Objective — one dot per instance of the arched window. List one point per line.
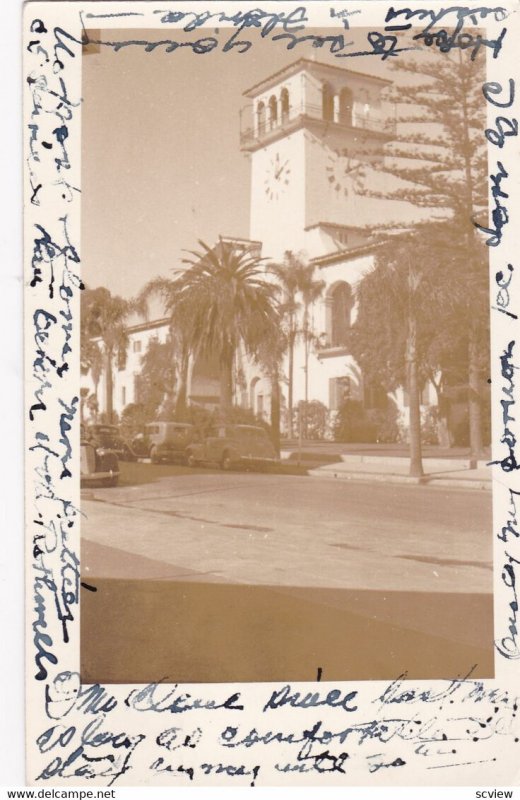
(341, 302)
(252, 393)
(273, 112)
(260, 117)
(284, 102)
(346, 107)
(327, 102)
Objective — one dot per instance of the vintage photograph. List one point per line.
(285, 377)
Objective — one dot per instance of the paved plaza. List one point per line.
(243, 576)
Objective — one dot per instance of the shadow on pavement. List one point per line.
(141, 631)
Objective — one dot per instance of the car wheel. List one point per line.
(190, 460)
(154, 458)
(226, 463)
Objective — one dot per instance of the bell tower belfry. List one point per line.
(308, 128)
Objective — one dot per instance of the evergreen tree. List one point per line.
(437, 162)
(401, 303)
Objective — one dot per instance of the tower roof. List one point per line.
(307, 63)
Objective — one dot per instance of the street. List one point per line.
(198, 575)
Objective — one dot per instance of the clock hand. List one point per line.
(350, 169)
(280, 170)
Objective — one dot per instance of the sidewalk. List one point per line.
(389, 463)
(398, 449)
(454, 473)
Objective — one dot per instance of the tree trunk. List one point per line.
(275, 410)
(226, 383)
(109, 387)
(290, 388)
(474, 401)
(306, 375)
(414, 395)
(181, 402)
(181, 405)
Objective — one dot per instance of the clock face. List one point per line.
(341, 173)
(277, 176)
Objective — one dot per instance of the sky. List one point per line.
(161, 162)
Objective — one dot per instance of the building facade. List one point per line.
(309, 131)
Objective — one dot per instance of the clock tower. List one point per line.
(309, 129)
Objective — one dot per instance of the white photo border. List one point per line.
(108, 736)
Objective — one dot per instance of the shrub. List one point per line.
(352, 424)
(384, 423)
(315, 419)
(429, 425)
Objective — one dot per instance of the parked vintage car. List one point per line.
(165, 441)
(109, 437)
(233, 445)
(97, 465)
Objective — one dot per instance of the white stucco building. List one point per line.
(308, 130)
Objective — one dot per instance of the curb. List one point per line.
(380, 477)
(436, 463)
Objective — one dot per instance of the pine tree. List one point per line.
(437, 162)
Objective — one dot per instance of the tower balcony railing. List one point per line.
(254, 134)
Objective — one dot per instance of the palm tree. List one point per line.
(299, 293)
(91, 357)
(224, 298)
(104, 316)
(286, 275)
(310, 291)
(96, 365)
(269, 356)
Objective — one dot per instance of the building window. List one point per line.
(341, 236)
(121, 359)
(252, 392)
(260, 117)
(123, 396)
(340, 390)
(284, 102)
(341, 303)
(346, 107)
(273, 112)
(137, 346)
(327, 102)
